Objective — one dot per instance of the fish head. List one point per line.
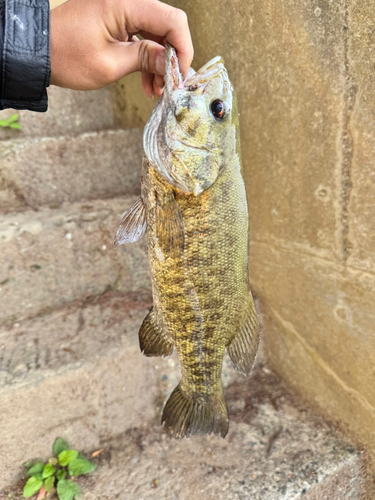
(192, 130)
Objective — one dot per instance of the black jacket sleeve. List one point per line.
(24, 54)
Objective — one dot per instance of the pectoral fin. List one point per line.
(133, 224)
(152, 341)
(169, 227)
(243, 348)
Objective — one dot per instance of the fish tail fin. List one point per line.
(185, 415)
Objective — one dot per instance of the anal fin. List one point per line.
(152, 341)
(133, 224)
(244, 346)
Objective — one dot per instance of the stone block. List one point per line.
(70, 112)
(51, 258)
(84, 404)
(318, 323)
(73, 334)
(132, 107)
(39, 172)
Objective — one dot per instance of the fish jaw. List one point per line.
(182, 140)
(173, 77)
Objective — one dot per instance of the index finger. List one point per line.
(163, 21)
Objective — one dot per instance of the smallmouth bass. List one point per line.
(193, 205)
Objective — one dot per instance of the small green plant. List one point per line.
(56, 474)
(11, 122)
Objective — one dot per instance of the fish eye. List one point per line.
(219, 109)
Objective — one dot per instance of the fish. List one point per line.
(193, 208)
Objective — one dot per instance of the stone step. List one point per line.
(97, 398)
(78, 368)
(50, 171)
(276, 448)
(51, 258)
(70, 112)
(70, 335)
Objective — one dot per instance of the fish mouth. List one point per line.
(194, 81)
(157, 142)
(173, 77)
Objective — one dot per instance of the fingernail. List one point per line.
(160, 64)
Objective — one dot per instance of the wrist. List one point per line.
(78, 46)
(56, 48)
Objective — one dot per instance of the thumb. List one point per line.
(145, 56)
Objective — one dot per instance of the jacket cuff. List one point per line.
(26, 55)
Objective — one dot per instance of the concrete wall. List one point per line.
(303, 70)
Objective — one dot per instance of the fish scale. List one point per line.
(193, 203)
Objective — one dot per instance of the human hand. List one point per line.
(94, 42)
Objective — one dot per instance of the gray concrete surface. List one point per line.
(79, 331)
(276, 449)
(53, 257)
(49, 171)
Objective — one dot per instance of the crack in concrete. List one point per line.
(337, 265)
(135, 300)
(347, 145)
(294, 248)
(22, 142)
(325, 367)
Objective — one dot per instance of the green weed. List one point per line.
(11, 122)
(56, 474)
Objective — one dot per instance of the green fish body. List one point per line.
(193, 204)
